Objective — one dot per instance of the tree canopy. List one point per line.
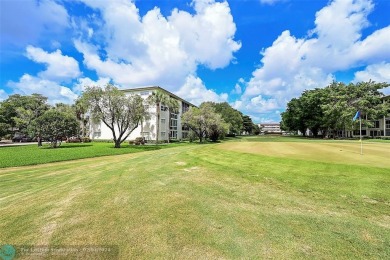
(332, 108)
(119, 112)
(55, 124)
(230, 115)
(204, 122)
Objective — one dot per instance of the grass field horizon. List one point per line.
(240, 199)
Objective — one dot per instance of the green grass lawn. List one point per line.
(31, 154)
(203, 201)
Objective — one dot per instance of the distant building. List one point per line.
(270, 128)
(170, 122)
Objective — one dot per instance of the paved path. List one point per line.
(4, 144)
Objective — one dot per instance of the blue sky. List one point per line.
(254, 54)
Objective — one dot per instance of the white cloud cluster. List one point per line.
(271, 2)
(158, 50)
(56, 93)
(379, 72)
(3, 95)
(60, 69)
(292, 64)
(23, 22)
(196, 92)
(87, 82)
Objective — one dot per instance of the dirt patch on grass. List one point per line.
(181, 163)
(53, 217)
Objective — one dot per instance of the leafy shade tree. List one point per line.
(81, 110)
(248, 125)
(292, 118)
(205, 122)
(230, 115)
(3, 129)
(218, 128)
(56, 124)
(332, 108)
(161, 99)
(256, 129)
(18, 112)
(120, 113)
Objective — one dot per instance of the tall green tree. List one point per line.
(55, 124)
(292, 118)
(81, 110)
(18, 112)
(205, 122)
(247, 125)
(332, 108)
(230, 115)
(120, 113)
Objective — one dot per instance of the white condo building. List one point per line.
(170, 122)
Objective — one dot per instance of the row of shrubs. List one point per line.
(78, 140)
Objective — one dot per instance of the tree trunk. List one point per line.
(158, 122)
(169, 124)
(117, 144)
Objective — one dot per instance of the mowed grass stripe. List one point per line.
(202, 202)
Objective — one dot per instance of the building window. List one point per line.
(162, 134)
(173, 123)
(388, 124)
(357, 132)
(164, 108)
(375, 124)
(374, 133)
(184, 107)
(173, 134)
(144, 93)
(163, 121)
(173, 115)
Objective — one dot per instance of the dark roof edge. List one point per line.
(155, 88)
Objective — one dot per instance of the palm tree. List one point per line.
(159, 98)
(173, 106)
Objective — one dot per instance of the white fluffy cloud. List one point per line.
(271, 2)
(158, 50)
(379, 72)
(56, 93)
(59, 67)
(196, 92)
(87, 82)
(293, 64)
(23, 22)
(3, 94)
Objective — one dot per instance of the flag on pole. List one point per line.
(356, 116)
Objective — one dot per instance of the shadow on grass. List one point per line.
(138, 147)
(64, 146)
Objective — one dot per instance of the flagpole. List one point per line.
(361, 140)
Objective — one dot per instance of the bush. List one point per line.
(73, 139)
(86, 139)
(139, 140)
